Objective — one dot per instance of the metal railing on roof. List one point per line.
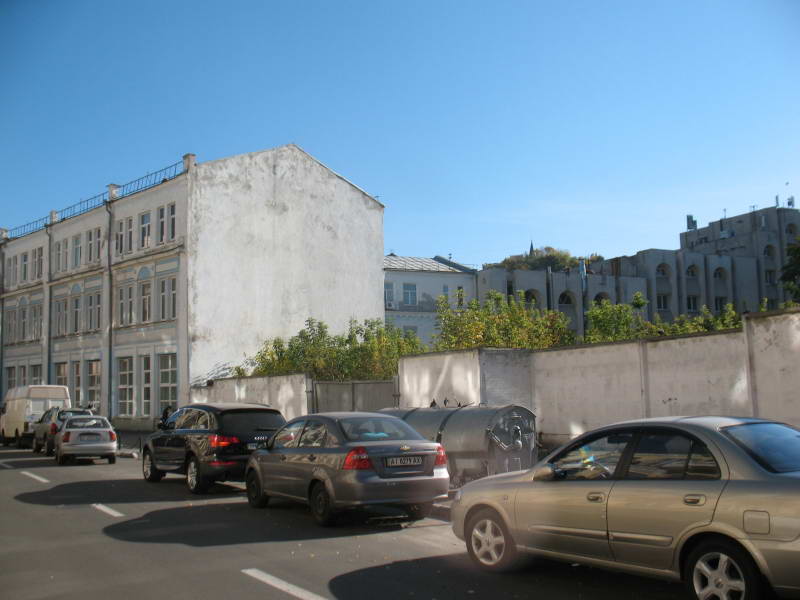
(137, 185)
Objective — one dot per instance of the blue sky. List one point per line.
(586, 125)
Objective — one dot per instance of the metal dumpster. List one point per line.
(479, 440)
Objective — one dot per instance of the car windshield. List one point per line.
(88, 423)
(774, 446)
(63, 415)
(376, 429)
(243, 422)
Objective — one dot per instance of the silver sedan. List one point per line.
(336, 461)
(712, 501)
(86, 436)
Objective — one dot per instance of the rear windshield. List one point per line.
(88, 423)
(63, 415)
(376, 429)
(243, 422)
(775, 446)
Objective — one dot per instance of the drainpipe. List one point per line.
(3, 241)
(112, 195)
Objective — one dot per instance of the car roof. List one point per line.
(712, 422)
(349, 415)
(224, 406)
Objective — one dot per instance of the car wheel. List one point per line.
(722, 570)
(255, 494)
(419, 511)
(111, 459)
(489, 543)
(149, 470)
(321, 505)
(194, 480)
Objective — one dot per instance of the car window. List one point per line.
(87, 423)
(775, 446)
(63, 415)
(313, 435)
(594, 459)
(173, 418)
(660, 455)
(377, 429)
(187, 420)
(247, 422)
(202, 420)
(702, 464)
(288, 436)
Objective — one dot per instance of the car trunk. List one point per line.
(250, 427)
(409, 458)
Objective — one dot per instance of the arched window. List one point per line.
(719, 274)
(662, 270)
(598, 299)
(791, 230)
(769, 251)
(532, 298)
(565, 298)
(692, 271)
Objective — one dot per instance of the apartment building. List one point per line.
(133, 295)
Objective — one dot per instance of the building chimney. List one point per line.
(188, 161)
(113, 190)
(53, 216)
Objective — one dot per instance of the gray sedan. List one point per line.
(336, 461)
(85, 437)
(714, 501)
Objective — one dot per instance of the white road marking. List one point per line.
(36, 477)
(107, 510)
(280, 584)
(5, 466)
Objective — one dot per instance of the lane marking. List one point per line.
(107, 510)
(36, 477)
(5, 466)
(280, 584)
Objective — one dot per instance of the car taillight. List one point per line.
(66, 437)
(53, 429)
(357, 459)
(112, 436)
(222, 441)
(441, 457)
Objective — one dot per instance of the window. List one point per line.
(662, 271)
(410, 294)
(144, 302)
(57, 257)
(720, 302)
(61, 317)
(662, 301)
(593, 459)
(125, 386)
(660, 456)
(173, 295)
(691, 303)
(313, 435)
(23, 324)
(65, 255)
(97, 244)
(11, 326)
(129, 235)
(76, 315)
(769, 252)
(144, 230)
(162, 224)
(769, 277)
(119, 238)
(98, 310)
(162, 299)
(76, 251)
(691, 272)
(76, 382)
(14, 271)
(91, 324)
(61, 373)
(90, 246)
(23, 275)
(775, 446)
(22, 373)
(171, 213)
(8, 272)
(289, 435)
(719, 274)
(388, 293)
(168, 298)
(38, 262)
(36, 375)
(168, 381)
(93, 389)
(146, 386)
(11, 377)
(565, 298)
(121, 306)
(36, 321)
(131, 306)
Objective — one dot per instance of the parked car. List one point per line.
(86, 437)
(208, 442)
(712, 501)
(336, 461)
(23, 406)
(46, 428)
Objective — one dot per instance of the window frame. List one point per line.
(144, 229)
(624, 458)
(125, 406)
(667, 430)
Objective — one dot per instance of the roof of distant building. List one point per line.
(392, 262)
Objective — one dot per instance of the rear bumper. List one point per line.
(225, 471)
(363, 488)
(101, 449)
(782, 559)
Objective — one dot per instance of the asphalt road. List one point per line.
(98, 531)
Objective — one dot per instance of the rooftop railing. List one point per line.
(132, 187)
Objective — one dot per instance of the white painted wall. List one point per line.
(287, 393)
(294, 239)
(451, 375)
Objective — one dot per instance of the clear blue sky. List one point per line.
(586, 125)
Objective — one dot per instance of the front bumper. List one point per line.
(99, 449)
(364, 488)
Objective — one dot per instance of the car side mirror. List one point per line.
(546, 472)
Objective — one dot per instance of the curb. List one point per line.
(128, 453)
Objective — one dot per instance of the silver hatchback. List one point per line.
(712, 501)
(86, 437)
(336, 461)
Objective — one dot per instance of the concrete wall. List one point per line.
(294, 239)
(504, 376)
(354, 395)
(287, 393)
(451, 375)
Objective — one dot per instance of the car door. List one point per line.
(278, 472)
(567, 515)
(163, 441)
(311, 455)
(671, 486)
(177, 443)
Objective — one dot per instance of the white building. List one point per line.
(133, 295)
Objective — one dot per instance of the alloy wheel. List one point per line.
(717, 577)
(488, 542)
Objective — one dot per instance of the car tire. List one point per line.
(255, 493)
(111, 459)
(489, 542)
(417, 512)
(149, 470)
(321, 505)
(195, 481)
(723, 565)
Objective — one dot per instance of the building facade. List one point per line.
(132, 296)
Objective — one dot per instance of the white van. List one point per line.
(24, 405)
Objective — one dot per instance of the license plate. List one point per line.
(90, 437)
(403, 461)
(252, 446)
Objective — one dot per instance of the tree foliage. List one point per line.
(541, 258)
(790, 274)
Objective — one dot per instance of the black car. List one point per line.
(208, 442)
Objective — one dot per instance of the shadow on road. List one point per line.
(26, 459)
(456, 577)
(223, 524)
